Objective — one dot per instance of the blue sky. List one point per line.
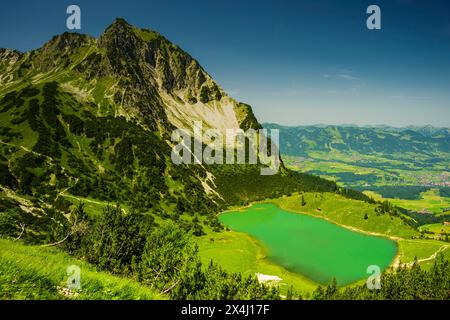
(295, 62)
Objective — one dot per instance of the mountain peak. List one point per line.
(121, 21)
(156, 79)
(122, 29)
(119, 24)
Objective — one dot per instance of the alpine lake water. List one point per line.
(313, 247)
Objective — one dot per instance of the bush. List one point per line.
(117, 240)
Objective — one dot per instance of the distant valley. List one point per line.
(410, 165)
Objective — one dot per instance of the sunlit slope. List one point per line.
(350, 213)
(30, 272)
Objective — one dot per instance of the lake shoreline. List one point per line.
(271, 201)
(393, 252)
(395, 261)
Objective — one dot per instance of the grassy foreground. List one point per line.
(30, 272)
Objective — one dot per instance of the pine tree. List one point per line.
(290, 293)
(303, 202)
(331, 290)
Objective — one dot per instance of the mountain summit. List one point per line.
(133, 72)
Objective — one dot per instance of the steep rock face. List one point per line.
(171, 76)
(173, 69)
(8, 59)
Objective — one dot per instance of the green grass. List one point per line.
(420, 249)
(428, 264)
(93, 207)
(146, 35)
(328, 166)
(30, 272)
(436, 228)
(430, 201)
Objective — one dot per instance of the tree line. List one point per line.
(404, 283)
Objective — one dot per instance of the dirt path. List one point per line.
(26, 150)
(82, 199)
(104, 204)
(396, 264)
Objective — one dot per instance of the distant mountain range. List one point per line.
(301, 140)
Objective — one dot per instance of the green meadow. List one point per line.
(32, 272)
(239, 252)
(436, 228)
(430, 201)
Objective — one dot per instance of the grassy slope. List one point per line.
(430, 201)
(422, 249)
(29, 272)
(429, 263)
(436, 228)
(347, 212)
